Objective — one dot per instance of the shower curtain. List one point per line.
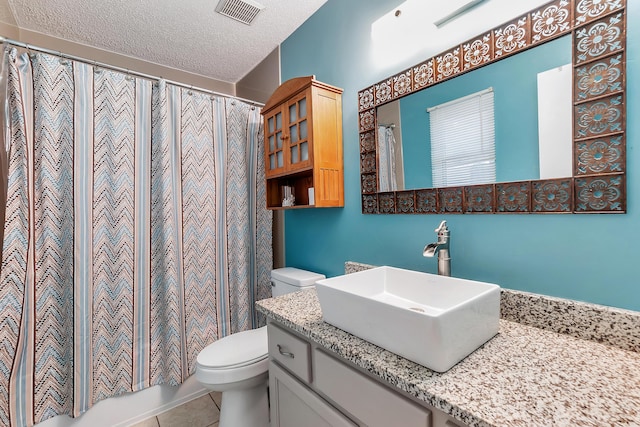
(386, 159)
(136, 233)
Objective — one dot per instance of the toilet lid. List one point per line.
(241, 348)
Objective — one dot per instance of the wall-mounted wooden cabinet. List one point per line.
(303, 144)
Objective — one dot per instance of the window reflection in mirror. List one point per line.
(463, 149)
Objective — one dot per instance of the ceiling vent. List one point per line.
(244, 11)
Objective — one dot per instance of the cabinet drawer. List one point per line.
(291, 352)
(364, 398)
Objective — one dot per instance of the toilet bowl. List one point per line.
(238, 365)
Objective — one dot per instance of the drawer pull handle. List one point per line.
(285, 353)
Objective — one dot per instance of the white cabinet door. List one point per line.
(294, 405)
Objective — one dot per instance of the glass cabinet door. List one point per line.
(298, 142)
(275, 144)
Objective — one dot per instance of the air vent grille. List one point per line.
(244, 11)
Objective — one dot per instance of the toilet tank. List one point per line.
(290, 279)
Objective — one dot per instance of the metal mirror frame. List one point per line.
(598, 184)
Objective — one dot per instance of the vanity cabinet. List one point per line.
(293, 404)
(311, 387)
(303, 144)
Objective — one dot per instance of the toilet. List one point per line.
(238, 365)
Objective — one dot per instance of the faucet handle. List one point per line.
(442, 227)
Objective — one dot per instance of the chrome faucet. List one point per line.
(442, 248)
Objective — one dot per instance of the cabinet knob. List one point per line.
(285, 353)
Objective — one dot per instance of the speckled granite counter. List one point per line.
(524, 376)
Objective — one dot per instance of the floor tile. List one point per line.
(149, 422)
(217, 397)
(201, 412)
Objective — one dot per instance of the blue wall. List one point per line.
(584, 257)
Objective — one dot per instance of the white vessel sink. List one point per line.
(435, 321)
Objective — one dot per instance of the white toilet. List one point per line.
(237, 365)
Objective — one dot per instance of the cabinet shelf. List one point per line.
(303, 144)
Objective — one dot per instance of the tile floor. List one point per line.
(201, 412)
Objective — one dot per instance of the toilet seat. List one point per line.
(236, 357)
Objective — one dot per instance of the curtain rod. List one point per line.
(123, 70)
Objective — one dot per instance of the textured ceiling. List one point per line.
(183, 34)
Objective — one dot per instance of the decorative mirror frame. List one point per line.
(599, 116)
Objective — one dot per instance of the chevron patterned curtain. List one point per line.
(136, 233)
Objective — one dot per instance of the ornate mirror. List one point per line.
(596, 178)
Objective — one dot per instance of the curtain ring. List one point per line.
(190, 91)
(63, 60)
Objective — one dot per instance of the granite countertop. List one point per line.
(524, 376)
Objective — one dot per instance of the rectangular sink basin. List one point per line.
(433, 320)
